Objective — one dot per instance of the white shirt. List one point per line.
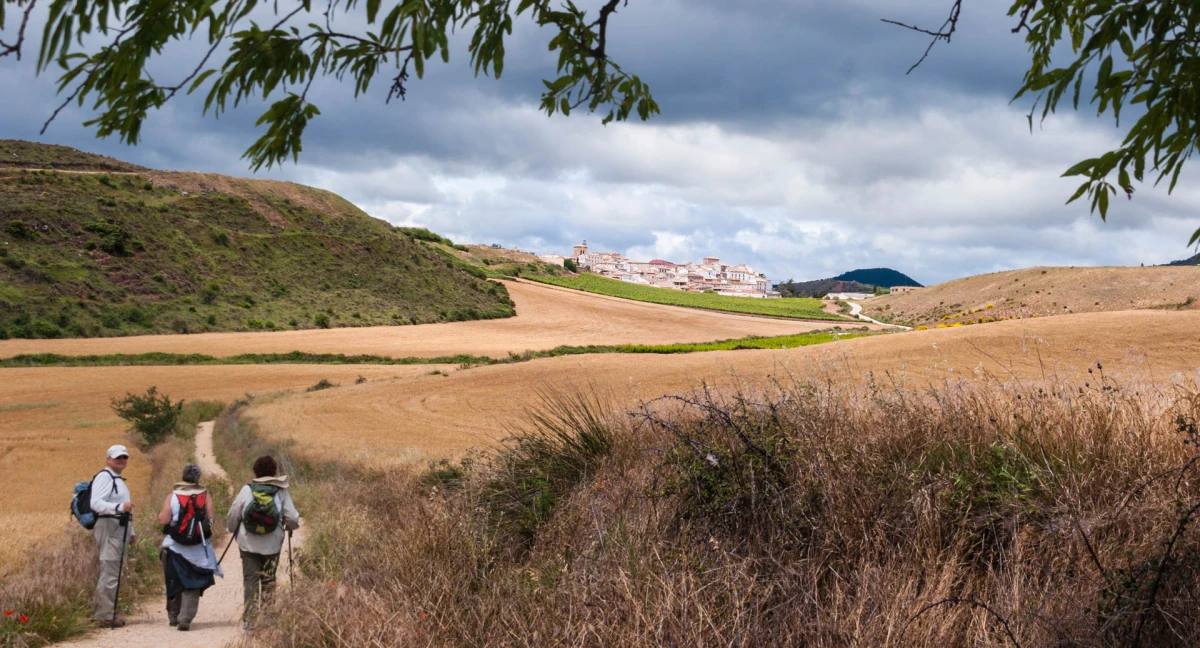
(109, 492)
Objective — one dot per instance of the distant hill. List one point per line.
(882, 277)
(107, 248)
(1042, 292)
(1191, 261)
(855, 281)
(820, 287)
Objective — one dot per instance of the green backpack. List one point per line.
(261, 515)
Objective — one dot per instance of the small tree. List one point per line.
(153, 416)
(570, 265)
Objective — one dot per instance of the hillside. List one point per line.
(855, 281)
(882, 277)
(821, 287)
(135, 252)
(1039, 292)
(20, 154)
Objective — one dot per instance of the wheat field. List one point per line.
(546, 317)
(437, 416)
(55, 425)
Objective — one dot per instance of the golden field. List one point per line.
(435, 416)
(1041, 292)
(546, 317)
(56, 423)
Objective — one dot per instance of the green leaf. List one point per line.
(1081, 168)
(1079, 192)
(200, 80)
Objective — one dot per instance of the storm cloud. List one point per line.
(791, 139)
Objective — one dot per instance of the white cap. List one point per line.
(117, 451)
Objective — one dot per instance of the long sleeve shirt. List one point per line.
(266, 544)
(109, 492)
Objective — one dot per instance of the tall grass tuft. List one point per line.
(790, 513)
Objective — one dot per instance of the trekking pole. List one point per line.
(231, 539)
(291, 579)
(124, 521)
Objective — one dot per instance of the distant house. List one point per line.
(900, 290)
(552, 258)
(848, 296)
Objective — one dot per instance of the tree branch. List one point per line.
(943, 33)
(15, 48)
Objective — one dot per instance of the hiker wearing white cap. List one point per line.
(113, 531)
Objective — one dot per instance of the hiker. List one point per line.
(258, 516)
(187, 555)
(113, 532)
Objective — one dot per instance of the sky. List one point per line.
(791, 139)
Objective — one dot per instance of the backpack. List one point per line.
(192, 526)
(261, 515)
(81, 503)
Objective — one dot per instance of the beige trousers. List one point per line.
(110, 535)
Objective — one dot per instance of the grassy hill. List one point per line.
(593, 283)
(883, 277)
(142, 251)
(1039, 292)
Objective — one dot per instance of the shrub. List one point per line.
(46, 330)
(570, 265)
(114, 238)
(220, 238)
(13, 262)
(322, 384)
(18, 229)
(321, 321)
(152, 415)
(211, 320)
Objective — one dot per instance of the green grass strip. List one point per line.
(299, 357)
(793, 307)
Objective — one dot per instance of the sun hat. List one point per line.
(117, 451)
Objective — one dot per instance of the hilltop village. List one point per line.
(708, 275)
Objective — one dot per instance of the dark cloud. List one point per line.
(791, 138)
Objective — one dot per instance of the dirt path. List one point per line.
(218, 621)
(856, 311)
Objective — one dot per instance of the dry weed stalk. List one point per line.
(788, 513)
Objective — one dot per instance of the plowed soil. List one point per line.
(435, 416)
(546, 317)
(56, 423)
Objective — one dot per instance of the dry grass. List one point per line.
(786, 513)
(431, 416)
(1043, 292)
(57, 423)
(546, 317)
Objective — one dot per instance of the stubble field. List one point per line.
(546, 317)
(56, 423)
(437, 416)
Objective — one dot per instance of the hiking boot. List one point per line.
(110, 623)
(174, 621)
(184, 626)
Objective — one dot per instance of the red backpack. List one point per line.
(192, 526)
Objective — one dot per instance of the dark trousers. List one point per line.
(258, 581)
